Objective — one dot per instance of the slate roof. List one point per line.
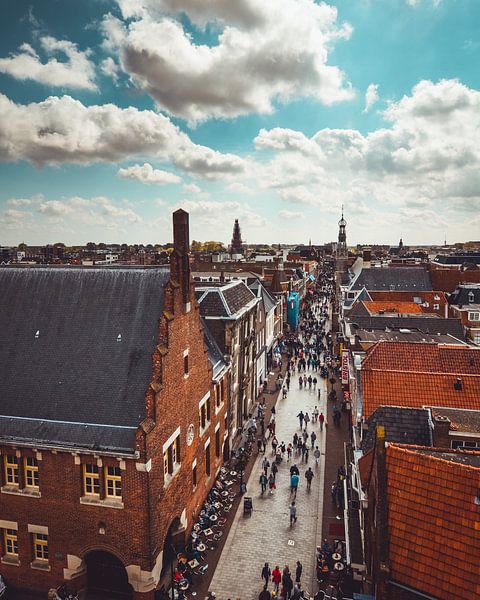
(427, 323)
(458, 259)
(433, 520)
(405, 278)
(215, 355)
(466, 421)
(364, 336)
(223, 301)
(66, 374)
(402, 425)
(261, 292)
(418, 374)
(465, 295)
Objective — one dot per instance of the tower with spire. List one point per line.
(342, 237)
(236, 247)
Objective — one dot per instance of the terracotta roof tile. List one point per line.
(416, 375)
(393, 306)
(434, 546)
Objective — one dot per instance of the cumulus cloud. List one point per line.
(265, 52)
(192, 188)
(290, 214)
(147, 174)
(77, 72)
(63, 130)
(239, 188)
(371, 96)
(110, 68)
(427, 154)
(219, 215)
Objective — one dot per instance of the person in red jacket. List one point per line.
(276, 578)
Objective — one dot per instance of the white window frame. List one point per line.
(474, 315)
(204, 402)
(173, 445)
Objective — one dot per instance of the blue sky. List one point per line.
(115, 113)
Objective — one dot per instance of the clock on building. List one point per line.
(190, 434)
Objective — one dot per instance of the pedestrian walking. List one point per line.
(316, 454)
(306, 419)
(300, 381)
(294, 479)
(313, 437)
(289, 452)
(264, 594)
(264, 443)
(301, 416)
(271, 483)
(321, 420)
(259, 444)
(276, 578)
(315, 414)
(309, 477)
(263, 482)
(305, 435)
(298, 572)
(274, 444)
(266, 572)
(265, 465)
(293, 513)
(274, 470)
(287, 582)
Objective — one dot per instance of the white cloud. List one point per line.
(192, 188)
(428, 157)
(219, 216)
(290, 214)
(63, 130)
(371, 96)
(266, 52)
(110, 68)
(147, 174)
(76, 72)
(239, 188)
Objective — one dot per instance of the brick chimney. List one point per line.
(179, 259)
(441, 427)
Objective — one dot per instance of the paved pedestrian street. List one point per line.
(266, 536)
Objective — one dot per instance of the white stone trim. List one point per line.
(75, 567)
(8, 524)
(37, 529)
(38, 455)
(144, 467)
(217, 427)
(207, 443)
(185, 352)
(194, 463)
(171, 439)
(183, 518)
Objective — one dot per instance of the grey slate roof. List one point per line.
(465, 295)
(222, 301)
(65, 372)
(215, 355)
(261, 292)
(424, 324)
(394, 278)
(402, 425)
(458, 259)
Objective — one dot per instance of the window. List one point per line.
(171, 456)
(217, 443)
(476, 338)
(32, 479)
(474, 316)
(436, 307)
(465, 444)
(11, 470)
(194, 475)
(40, 546)
(207, 459)
(471, 297)
(91, 480)
(204, 415)
(185, 364)
(113, 482)
(10, 542)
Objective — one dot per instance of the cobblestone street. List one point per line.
(266, 536)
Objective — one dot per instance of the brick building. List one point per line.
(111, 428)
(464, 304)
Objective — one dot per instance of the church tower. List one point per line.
(236, 247)
(342, 237)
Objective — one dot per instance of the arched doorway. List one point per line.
(174, 543)
(107, 578)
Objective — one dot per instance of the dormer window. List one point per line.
(471, 297)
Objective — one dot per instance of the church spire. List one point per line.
(236, 247)
(342, 237)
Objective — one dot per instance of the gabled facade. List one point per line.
(111, 428)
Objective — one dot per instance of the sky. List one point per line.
(115, 113)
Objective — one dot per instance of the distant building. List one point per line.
(236, 246)
(464, 304)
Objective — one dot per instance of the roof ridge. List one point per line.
(411, 449)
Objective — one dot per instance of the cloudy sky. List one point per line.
(113, 113)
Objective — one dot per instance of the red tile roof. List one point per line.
(417, 374)
(434, 523)
(393, 306)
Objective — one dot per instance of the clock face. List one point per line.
(190, 434)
